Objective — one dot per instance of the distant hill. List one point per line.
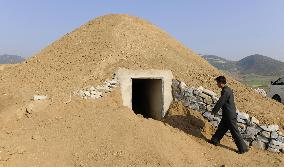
(254, 64)
(256, 70)
(260, 65)
(10, 59)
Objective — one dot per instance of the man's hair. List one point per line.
(221, 79)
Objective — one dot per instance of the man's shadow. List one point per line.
(190, 125)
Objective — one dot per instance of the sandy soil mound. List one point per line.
(102, 132)
(92, 53)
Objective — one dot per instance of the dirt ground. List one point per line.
(102, 132)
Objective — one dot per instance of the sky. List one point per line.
(232, 29)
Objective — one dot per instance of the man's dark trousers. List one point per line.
(231, 125)
(229, 119)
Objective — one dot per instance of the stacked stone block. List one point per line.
(95, 92)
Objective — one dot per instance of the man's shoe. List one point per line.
(213, 142)
(243, 151)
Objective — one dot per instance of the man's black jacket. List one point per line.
(226, 102)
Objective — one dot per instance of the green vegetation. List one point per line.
(258, 81)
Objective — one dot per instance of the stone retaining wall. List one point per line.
(95, 92)
(260, 136)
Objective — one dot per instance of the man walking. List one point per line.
(229, 117)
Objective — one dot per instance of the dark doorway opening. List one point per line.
(147, 97)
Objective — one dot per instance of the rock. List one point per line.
(270, 128)
(200, 88)
(189, 99)
(241, 130)
(219, 113)
(203, 95)
(251, 130)
(248, 136)
(103, 88)
(199, 99)
(192, 98)
(262, 139)
(274, 135)
(265, 134)
(215, 99)
(254, 120)
(182, 85)
(273, 149)
(81, 93)
(39, 97)
(209, 92)
(186, 102)
(242, 115)
(218, 119)
(280, 138)
(215, 123)
(106, 83)
(94, 92)
(238, 112)
(206, 114)
(209, 116)
(202, 106)
(175, 83)
(188, 92)
(197, 92)
(239, 120)
(276, 143)
(92, 88)
(113, 82)
(258, 144)
(243, 126)
(209, 108)
(177, 96)
(95, 96)
(206, 99)
(194, 106)
(87, 93)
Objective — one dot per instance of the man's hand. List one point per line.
(224, 97)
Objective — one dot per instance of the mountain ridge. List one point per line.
(253, 64)
(10, 59)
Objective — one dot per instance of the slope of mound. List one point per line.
(92, 53)
(102, 133)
